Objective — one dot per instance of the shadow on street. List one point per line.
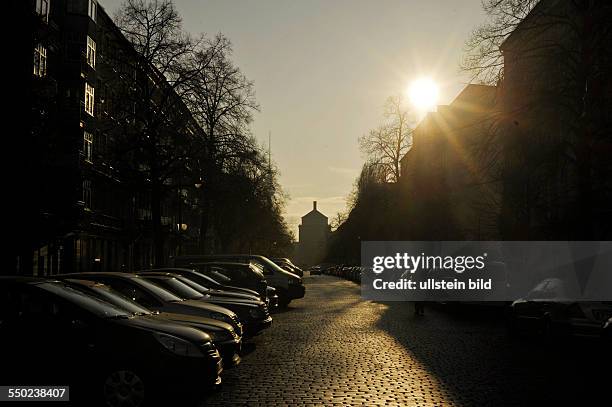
(468, 350)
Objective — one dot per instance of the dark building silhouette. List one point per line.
(527, 159)
(445, 176)
(555, 104)
(92, 212)
(313, 237)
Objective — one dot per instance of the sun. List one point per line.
(423, 93)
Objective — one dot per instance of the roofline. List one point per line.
(530, 16)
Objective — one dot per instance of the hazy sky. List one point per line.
(322, 71)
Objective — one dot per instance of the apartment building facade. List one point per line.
(94, 203)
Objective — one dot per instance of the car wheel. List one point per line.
(124, 388)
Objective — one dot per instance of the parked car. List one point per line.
(223, 335)
(154, 297)
(204, 280)
(315, 270)
(53, 334)
(271, 298)
(253, 314)
(288, 285)
(243, 275)
(205, 290)
(288, 265)
(547, 309)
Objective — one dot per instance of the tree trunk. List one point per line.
(156, 224)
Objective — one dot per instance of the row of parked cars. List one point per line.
(352, 273)
(127, 338)
(545, 310)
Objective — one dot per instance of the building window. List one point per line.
(42, 9)
(88, 146)
(40, 61)
(89, 99)
(91, 52)
(87, 193)
(91, 10)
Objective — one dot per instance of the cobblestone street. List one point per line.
(332, 347)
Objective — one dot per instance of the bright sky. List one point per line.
(322, 71)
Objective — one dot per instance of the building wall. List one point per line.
(556, 117)
(444, 175)
(92, 215)
(313, 237)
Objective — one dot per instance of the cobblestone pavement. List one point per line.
(333, 348)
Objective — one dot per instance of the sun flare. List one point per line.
(423, 93)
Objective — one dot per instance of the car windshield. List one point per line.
(268, 265)
(107, 294)
(199, 276)
(177, 287)
(217, 274)
(193, 284)
(88, 302)
(162, 293)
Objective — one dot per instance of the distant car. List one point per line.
(223, 335)
(314, 270)
(253, 314)
(548, 310)
(53, 334)
(154, 297)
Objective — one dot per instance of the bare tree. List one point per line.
(153, 126)
(338, 220)
(387, 144)
(223, 100)
(551, 134)
(483, 58)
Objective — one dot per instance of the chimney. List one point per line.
(314, 205)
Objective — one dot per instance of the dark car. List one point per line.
(271, 298)
(53, 334)
(549, 309)
(154, 297)
(315, 270)
(224, 337)
(204, 280)
(242, 275)
(254, 315)
(288, 285)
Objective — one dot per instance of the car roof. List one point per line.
(99, 274)
(88, 283)
(164, 270)
(162, 275)
(216, 256)
(156, 273)
(225, 263)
